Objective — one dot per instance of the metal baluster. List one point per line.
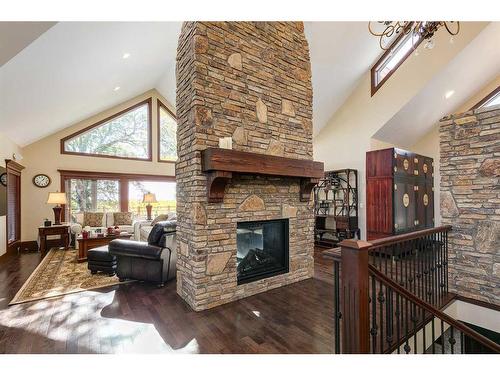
(440, 266)
(407, 346)
(434, 271)
(423, 331)
(427, 270)
(414, 319)
(452, 340)
(398, 322)
(337, 306)
(373, 330)
(462, 344)
(446, 260)
(381, 300)
(442, 337)
(433, 337)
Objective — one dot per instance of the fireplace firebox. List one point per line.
(262, 249)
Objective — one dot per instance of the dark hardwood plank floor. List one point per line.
(140, 318)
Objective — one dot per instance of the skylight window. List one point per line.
(492, 99)
(398, 52)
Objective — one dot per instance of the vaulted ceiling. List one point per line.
(70, 71)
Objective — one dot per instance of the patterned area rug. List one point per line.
(59, 273)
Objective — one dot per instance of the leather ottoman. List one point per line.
(99, 259)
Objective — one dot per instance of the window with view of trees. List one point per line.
(91, 195)
(124, 135)
(167, 134)
(163, 190)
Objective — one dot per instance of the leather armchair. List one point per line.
(153, 261)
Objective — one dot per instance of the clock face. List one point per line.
(3, 179)
(41, 180)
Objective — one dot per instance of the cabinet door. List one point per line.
(404, 205)
(420, 207)
(403, 163)
(424, 204)
(379, 207)
(425, 167)
(428, 201)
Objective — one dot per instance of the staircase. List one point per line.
(390, 295)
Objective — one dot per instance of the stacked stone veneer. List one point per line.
(470, 201)
(250, 81)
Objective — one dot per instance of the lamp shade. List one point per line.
(149, 198)
(56, 198)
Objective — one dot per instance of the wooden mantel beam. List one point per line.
(221, 163)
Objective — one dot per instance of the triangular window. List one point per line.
(126, 134)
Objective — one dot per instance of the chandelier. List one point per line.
(386, 31)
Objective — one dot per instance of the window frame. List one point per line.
(375, 87)
(486, 98)
(122, 178)
(107, 119)
(160, 104)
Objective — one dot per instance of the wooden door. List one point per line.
(13, 204)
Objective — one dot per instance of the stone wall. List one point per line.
(470, 197)
(250, 81)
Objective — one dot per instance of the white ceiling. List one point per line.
(70, 71)
(341, 52)
(15, 36)
(476, 65)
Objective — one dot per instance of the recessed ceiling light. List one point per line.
(126, 55)
(449, 94)
(116, 88)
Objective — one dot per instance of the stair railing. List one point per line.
(388, 292)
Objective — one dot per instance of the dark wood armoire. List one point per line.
(399, 192)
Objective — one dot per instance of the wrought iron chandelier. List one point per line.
(386, 31)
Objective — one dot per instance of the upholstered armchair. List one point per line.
(153, 261)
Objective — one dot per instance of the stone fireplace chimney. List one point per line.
(250, 81)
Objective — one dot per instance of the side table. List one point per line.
(54, 230)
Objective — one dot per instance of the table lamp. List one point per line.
(57, 199)
(149, 198)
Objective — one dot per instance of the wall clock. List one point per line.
(3, 179)
(41, 180)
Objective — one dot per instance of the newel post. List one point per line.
(354, 295)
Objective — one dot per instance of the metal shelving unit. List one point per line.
(336, 207)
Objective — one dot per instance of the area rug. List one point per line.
(58, 274)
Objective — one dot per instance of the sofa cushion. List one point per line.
(122, 218)
(159, 218)
(126, 228)
(93, 219)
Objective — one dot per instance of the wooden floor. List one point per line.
(139, 318)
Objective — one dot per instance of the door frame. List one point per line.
(13, 168)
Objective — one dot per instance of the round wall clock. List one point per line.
(3, 179)
(41, 180)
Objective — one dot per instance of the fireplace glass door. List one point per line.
(262, 249)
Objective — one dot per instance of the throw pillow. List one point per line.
(122, 218)
(92, 219)
(159, 218)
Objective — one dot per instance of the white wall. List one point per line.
(44, 156)
(344, 141)
(7, 148)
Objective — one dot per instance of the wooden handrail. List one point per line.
(437, 313)
(408, 236)
(334, 253)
